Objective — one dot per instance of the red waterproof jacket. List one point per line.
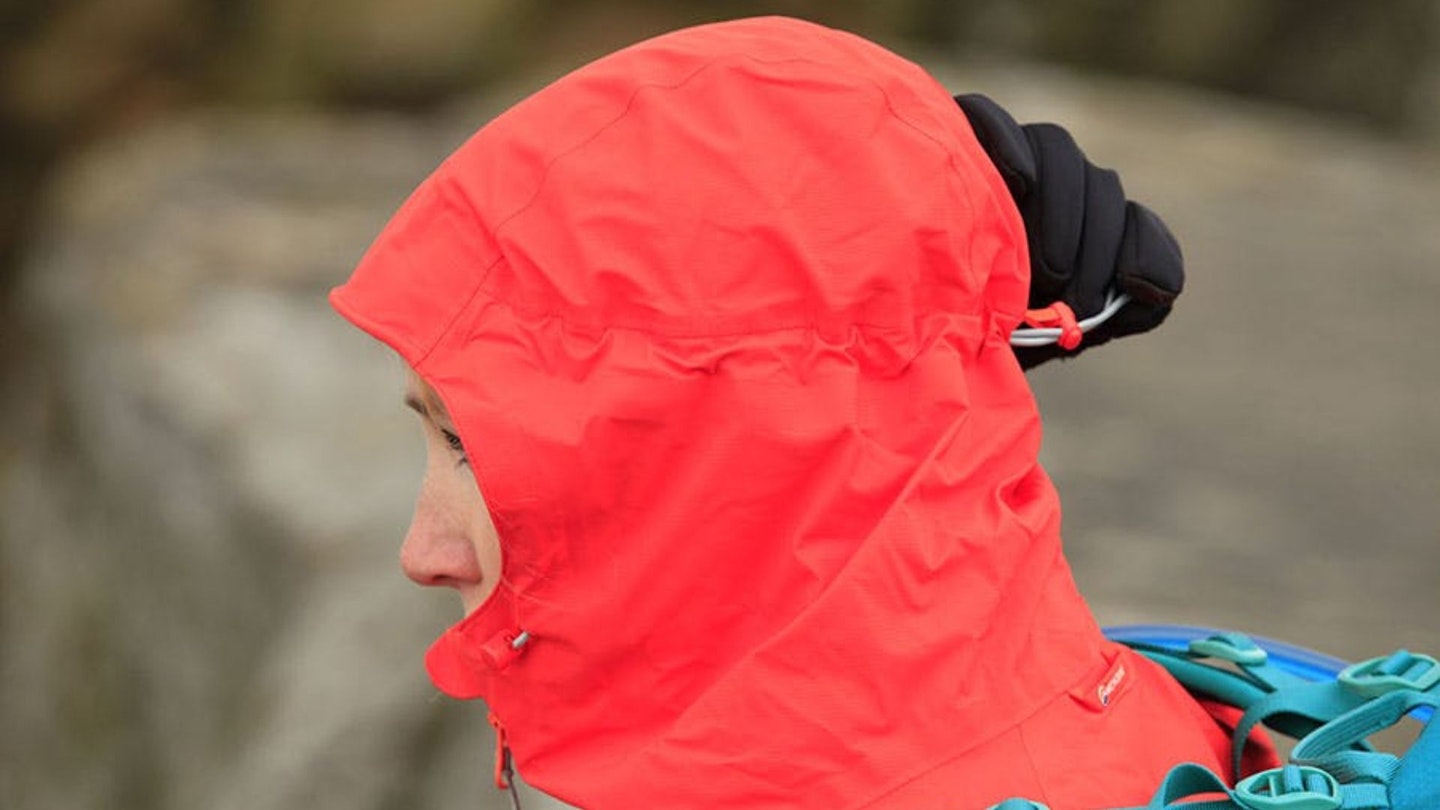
(722, 320)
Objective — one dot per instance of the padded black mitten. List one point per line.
(1085, 238)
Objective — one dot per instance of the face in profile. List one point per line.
(451, 541)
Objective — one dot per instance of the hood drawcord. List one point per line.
(510, 783)
(502, 650)
(504, 767)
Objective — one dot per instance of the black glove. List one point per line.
(1085, 238)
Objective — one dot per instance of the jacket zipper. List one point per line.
(504, 768)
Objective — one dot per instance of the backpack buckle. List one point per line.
(1237, 648)
(1401, 669)
(1293, 787)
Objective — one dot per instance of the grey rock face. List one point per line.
(201, 605)
(206, 474)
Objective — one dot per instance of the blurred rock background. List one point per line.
(204, 475)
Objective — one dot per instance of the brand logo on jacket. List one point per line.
(1111, 685)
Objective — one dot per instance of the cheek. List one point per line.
(480, 529)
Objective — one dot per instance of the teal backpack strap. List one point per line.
(1336, 737)
(1203, 679)
(1417, 783)
(1332, 767)
(1384, 690)
(1296, 712)
(1326, 774)
(1293, 787)
(1189, 780)
(1267, 694)
(1249, 677)
(1248, 657)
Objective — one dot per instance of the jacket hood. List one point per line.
(722, 319)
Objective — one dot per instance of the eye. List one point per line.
(453, 440)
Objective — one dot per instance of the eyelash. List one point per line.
(454, 441)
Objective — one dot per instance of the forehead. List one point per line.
(420, 397)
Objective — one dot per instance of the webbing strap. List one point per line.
(1365, 796)
(1248, 686)
(1369, 718)
(1359, 766)
(1417, 783)
(1185, 781)
(1250, 658)
(1296, 711)
(1225, 686)
(1253, 677)
(1333, 768)
(1327, 773)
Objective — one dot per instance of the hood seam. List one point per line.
(464, 307)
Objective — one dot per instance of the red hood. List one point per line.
(723, 320)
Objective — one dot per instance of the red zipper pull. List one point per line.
(504, 772)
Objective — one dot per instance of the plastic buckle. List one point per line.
(1401, 669)
(1017, 804)
(1293, 787)
(1237, 648)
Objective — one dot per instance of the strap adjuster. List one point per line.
(1401, 669)
(1293, 787)
(1237, 648)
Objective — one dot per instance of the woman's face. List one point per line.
(451, 541)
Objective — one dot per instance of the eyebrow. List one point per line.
(415, 404)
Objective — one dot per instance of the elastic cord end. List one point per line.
(1060, 316)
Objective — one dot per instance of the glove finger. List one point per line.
(1151, 267)
(1003, 140)
(1055, 215)
(1102, 239)
(1151, 270)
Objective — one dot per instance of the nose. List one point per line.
(437, 550)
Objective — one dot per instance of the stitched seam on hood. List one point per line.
(599, 331)
(449, 327)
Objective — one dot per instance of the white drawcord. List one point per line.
(1030, 337)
